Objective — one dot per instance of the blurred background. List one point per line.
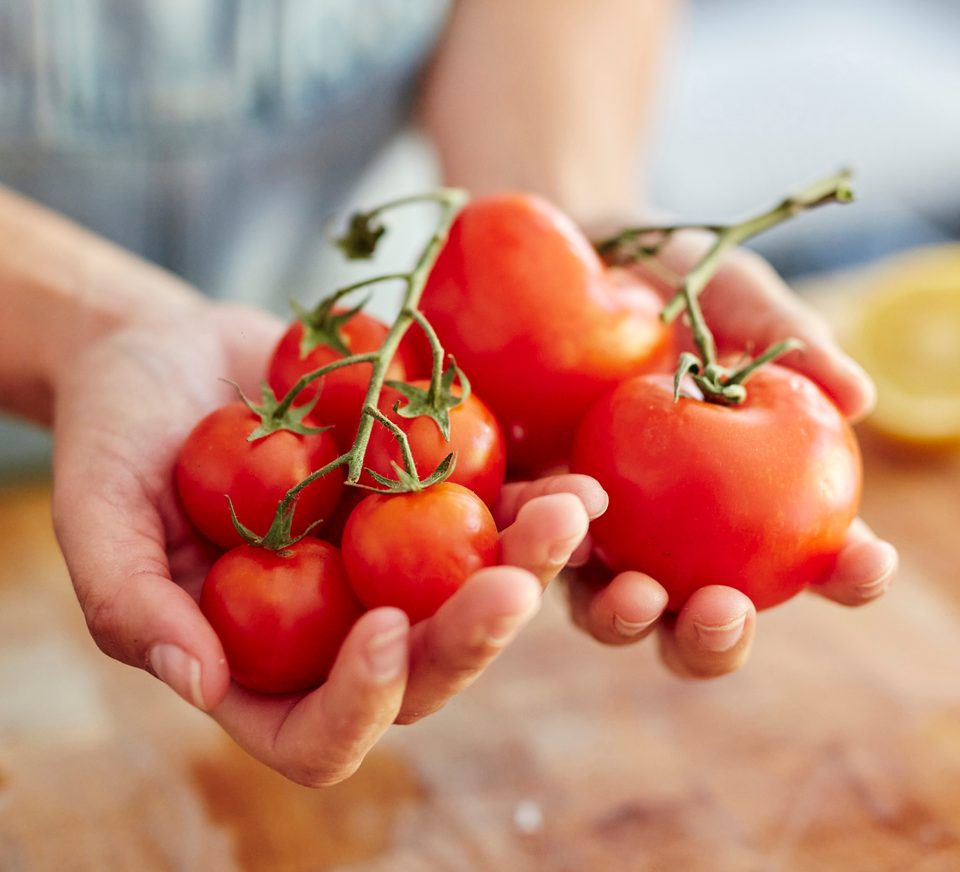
(755, 99)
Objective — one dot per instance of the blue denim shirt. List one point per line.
(212, 137)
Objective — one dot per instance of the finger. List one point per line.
(452, 648)
(515, 495)
(711, 635)
(545, 533)
(864, 569)
(322, 738)
(749, 306)
(582, 553)
(135, 612)
(624, 610)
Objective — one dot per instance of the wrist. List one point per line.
(61, 289)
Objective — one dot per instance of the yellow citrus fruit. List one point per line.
(905, 331)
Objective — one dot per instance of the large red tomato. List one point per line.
(280, 616)
(343, 390)
(217, 461)
(542, 327)
(415, 550)
(757, 496)
(475, 437)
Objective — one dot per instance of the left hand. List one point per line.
(745, 303)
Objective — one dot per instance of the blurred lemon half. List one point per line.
(905, 331)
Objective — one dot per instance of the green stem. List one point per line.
(279, 535)
(450, 200)
(717, 384)
(363, 283)
(285, 505)
(408, 462)
(315, 374)
(830, 190)
(437, 352)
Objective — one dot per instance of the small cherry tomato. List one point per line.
(415, 550)
(281, 616)
(342, 391)
(217, 461)
(758, 496)
(475, 437)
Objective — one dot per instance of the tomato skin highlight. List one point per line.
(475, 437)
(217, 460)
(415, 550)
(342, 391)
(758, 496)
(538, 323)
(281, 619)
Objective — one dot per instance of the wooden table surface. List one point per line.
(836, 748)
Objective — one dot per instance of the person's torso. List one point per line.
(212, 137)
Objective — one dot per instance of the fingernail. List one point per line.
(387, 654)
(178, 670)
(723, 637)
(503, 628)
(630, 629)
(871, 589)
(597, 504)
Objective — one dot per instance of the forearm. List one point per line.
(551, 96)
(60, 288)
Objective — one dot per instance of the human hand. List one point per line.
(747, 305)
(123, 407)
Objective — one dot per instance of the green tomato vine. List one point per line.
(718, 384)
(322, 324)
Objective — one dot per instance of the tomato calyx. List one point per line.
(722, 385)
(437, 400)
(717, 384)
(276, 415)
(407, 482)
(279, 537)
(321, 325)
(408, 479)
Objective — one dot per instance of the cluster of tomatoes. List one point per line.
(567, 361)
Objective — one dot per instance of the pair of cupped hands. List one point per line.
(128, 400)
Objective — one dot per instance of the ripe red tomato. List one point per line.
(521, 300)
(475, 436)
(281, 619)
(217, 460)
(757, 496)
(343, 390)
(415, 550)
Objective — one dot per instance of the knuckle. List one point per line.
(100, 611)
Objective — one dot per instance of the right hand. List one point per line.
(122, 408)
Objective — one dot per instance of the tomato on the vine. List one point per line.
(281, 616)
(475, 438)
(216, 461)
(758, 496)
(342, 391)
(523, 302)
(415, 550)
